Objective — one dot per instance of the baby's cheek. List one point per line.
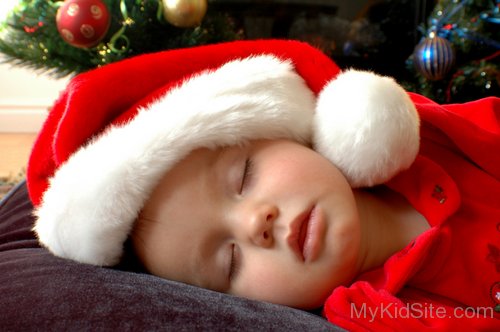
(281, 284)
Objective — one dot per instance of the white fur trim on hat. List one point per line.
(94, 198)
(367, 126)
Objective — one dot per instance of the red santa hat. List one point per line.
(115, 131)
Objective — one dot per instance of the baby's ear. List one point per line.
(367, 126)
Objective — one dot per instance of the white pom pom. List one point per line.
(367, 126)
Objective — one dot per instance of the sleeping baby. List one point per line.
(261, 170)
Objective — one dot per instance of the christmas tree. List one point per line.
(73, 36)
(457, 59)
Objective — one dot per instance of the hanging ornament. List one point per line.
(184, 13)
(434, 57)
(83, 23)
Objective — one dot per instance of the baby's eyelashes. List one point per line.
(247, 175)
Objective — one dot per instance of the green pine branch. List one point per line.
(29, 36)
(27, 39)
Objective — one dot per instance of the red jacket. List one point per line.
(448, 278)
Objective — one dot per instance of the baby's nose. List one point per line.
(261, 224)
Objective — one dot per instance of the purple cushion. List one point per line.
(43, 292)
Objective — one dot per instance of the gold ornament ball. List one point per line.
(184, 13)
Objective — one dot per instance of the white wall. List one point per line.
(25, 98)
(24, 95)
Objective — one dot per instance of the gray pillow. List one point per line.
(43, 292)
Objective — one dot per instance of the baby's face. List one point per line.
(271, 221)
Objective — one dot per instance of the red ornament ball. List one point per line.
(83, 23)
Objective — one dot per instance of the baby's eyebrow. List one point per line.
(218, 167)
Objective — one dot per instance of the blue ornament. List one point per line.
(434, 57)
